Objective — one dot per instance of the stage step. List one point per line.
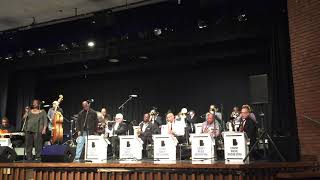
(299, 176)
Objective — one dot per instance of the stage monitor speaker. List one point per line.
(57, 153)
(258, 89)
(7, 154)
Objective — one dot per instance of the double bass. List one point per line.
(57, 122)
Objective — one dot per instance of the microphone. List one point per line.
(133, 95)
(90, 101)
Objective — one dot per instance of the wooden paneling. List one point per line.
(149, 171)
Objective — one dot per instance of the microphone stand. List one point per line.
(85, 128)
(25, 142)
(122, 105)
(222, 121)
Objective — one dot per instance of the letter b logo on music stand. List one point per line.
(234, 142)
(201, 143)
(163, 144)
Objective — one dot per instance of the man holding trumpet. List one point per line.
(146, 130)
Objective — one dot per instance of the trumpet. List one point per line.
(106, 126)
(234, 114)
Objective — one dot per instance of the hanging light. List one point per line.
(91, 44)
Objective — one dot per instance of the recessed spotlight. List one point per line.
(74, 45)
(143, 57)
(8, 57)
(30, 52)
(157, 31)
(113, 60)
(91, 44)
(42, 50)
(242, 17)
(19, 54)
(63, 47)
(202, 24)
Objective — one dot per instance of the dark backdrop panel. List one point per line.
(258, 89)
(4, 93)
(167, 89)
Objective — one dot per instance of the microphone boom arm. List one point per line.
(122, 105)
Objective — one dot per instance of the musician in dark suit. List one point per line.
(248, 125)
(6, 126)
(147, 129)
(193, 119)
(85, 125)
(155, 118)
(117, 128)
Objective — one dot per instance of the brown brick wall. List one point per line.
(304, 29)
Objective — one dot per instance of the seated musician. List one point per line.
(103, 120)
(5, 126)
(234, 121)
(193, 119)
(147, 129)
(248, 125)
(106, 117)
(155, 118)
(176, 127)
(251, 114)
(214, 110)
(211, 125)
(117, 128)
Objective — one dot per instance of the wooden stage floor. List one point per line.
(149, 170)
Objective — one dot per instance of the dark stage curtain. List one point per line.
(283, 122)
(24, 94)
(284, 119)
(167, 89)
(3, 93)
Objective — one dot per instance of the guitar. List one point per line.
(57, 122)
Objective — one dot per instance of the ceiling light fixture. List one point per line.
(113, 60)
(63, 47)
(157, 31)
(9, 57)
(42, 50)
(91, 44)
(30, 52)
(202, 24)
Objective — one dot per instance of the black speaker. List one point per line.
(57, 153)
(258, 89)
(7, 154)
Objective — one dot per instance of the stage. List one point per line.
(148, 170)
